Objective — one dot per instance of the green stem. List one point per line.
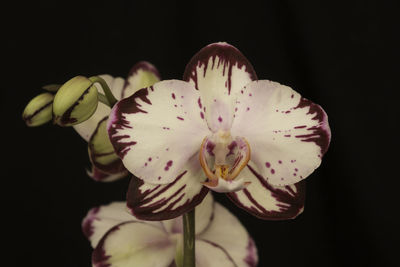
(188, 240)
(103, 99)
(110, 97)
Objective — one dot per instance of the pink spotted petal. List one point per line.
(267, 201)
(157, 130)
(288, 134)
(219, 71)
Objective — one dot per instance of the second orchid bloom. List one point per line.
(220, 129)
(119, 239)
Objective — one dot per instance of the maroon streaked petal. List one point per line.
(102, 218)
(134, 244)
(100, 176)
(219, 71)
(228, 234)
(155, 202)
(287, 133)
(142, 74)
(86, 128)
(157, 130)
(269, 202)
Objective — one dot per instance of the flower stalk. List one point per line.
(107, 92)
(188, 239)
(103, 99)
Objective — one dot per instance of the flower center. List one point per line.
(223, 156)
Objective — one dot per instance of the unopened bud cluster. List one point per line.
(74, 102)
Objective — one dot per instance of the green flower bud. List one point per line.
(75, 101)
(52, 87)
(39, 110)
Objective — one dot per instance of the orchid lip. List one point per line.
(226, 155)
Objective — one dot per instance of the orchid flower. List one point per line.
(220, 129)
(119, 239)
(106, 165)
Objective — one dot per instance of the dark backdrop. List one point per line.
(342, 56)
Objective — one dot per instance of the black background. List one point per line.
(342, 56)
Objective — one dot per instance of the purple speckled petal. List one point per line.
(219, 71)
(266, 201)
(102, 218)
(86, 128)
(227, 234)
(134, 244)
(142, 74)
(157, 130)
(157, 202)
(288, 134)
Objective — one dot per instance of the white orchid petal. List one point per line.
(157, 130)
(288, 134)
(228, 234)
(134, 244)
(101, 219)
(266, 201)
(219, 71)
(167, 201)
